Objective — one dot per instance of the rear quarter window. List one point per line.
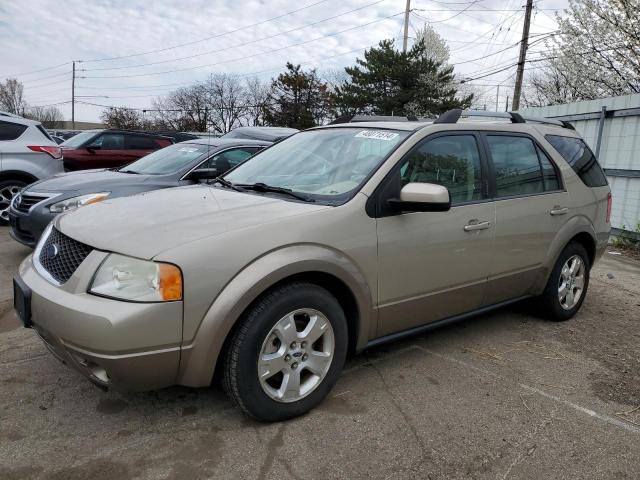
(580, 157)
(11, 131)
(45, 133)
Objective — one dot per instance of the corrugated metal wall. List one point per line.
(619, 149)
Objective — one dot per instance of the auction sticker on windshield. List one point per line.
(376, 135)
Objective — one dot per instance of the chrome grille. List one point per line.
(60, 255)
(24, 201)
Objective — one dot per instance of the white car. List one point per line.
(27, 154)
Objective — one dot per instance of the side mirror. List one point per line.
(422, 197)
(203, 174)
(93, 148)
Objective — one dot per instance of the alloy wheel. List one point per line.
(571, 283)
(296, 355)
(6, 196)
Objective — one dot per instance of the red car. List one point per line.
(109, 148)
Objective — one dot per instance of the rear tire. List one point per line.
(274, 373)
(568, 283)
(8, 189)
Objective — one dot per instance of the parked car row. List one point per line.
(23, 143)
(333, 240)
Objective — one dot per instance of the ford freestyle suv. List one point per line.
(27, 154)
(109, 148)
(333, 240)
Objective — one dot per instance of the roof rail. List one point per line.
(452, 116)
(373, 118)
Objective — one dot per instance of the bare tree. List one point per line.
(186, 109)
(11, 96)
(227, 98)
(123, 117)
(50, 117)
(257, 100)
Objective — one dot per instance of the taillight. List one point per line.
(55, 152)
(609, 202)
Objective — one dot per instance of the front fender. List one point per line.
(198, 360)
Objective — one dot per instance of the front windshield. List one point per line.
(168, 160)
(328, 164)
(79, 139)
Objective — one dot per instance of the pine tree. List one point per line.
(298, 99)
(390, 82)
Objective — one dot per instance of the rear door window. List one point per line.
(11, 131)
(580, 157)
(139, 142)
(516, 165)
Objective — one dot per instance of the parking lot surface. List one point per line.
(503, 395)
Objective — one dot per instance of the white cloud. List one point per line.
(35, 34)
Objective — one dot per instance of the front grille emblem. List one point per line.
(51, 251)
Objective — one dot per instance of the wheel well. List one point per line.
(329, 282)
(17, 175)
(341, 292)
(588, 243)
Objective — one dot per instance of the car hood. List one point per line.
(148, 223)
(87, 180)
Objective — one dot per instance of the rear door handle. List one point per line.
(557, 210)
(471, 227)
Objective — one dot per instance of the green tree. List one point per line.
(298, 99)
(390, 82)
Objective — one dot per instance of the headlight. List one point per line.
(128, 278)
(75, 202)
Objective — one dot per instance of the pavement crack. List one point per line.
(405, 417)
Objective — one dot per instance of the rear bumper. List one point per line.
(132, 346)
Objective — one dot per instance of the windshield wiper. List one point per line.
(127, 171)
(227, 183)
(263, 187)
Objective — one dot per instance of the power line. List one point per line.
(240, 44)
(291, 12)
(254, 55)
(39, 70)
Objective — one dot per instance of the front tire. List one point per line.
(287, 352)
(568, 283)
(8, 190)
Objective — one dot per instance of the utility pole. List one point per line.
(73, 97)
(497, 97)
(406, 26)
(506, 105)
(523, 55)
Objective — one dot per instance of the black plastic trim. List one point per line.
(440, 323)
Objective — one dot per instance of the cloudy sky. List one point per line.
(130, 51)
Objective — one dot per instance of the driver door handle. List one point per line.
(475, 225)
(558, 210)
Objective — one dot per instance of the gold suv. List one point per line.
(333, 240)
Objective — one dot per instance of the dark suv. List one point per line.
(109, 148)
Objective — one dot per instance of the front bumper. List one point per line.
(27, 228)
(133, 346)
